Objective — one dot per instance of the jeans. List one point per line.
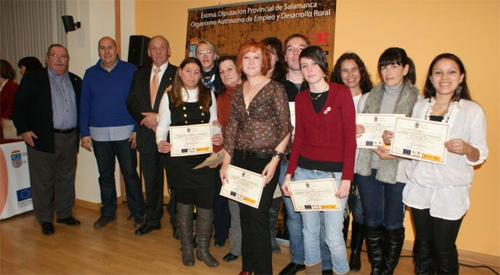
(105, 153)
(294, 226)
(356, 208)
(382, 202)
(333, 224)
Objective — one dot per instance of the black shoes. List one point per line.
(138, 222)
(219, 243)
(229, 258)
(48, 228)
(292, 268)
(103, 221)
(69, 221)
(145, 229)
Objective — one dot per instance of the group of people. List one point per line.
(118, 108)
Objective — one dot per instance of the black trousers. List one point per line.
(152, 169)
(256, 247)
(443, 233)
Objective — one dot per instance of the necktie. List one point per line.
(153, 88)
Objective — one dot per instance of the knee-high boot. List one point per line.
(447, 262)
(345, 230)
(185, 225)
(357, 236)
(375, 243)
(422, 255)
(204, 220)
(392, 249)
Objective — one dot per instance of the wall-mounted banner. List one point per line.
(229, 26)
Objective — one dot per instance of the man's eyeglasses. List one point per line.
(205, 52)
(55, 55)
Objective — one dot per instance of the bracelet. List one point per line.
(278, 154)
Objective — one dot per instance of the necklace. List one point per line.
(446, 117)
(319, 94)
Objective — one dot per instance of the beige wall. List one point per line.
(470, 29)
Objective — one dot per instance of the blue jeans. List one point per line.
(382, 202)
(294, 225)
(356, 208)
(333, 224)
(105, 153)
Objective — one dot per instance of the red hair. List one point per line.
(253, 46)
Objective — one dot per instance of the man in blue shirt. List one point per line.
(107, 126)
(45, 114)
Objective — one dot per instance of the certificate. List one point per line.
(420, 140)
(314, 195)
(291, 106)
(375, 124)
(215, 159)
(191, 140)
(244, 186)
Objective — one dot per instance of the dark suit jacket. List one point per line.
(139, 101)
(33, 107)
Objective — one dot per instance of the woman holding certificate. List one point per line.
(189, 102)
(380, 176)
(439, 194)
(256, 136)
(323, 148)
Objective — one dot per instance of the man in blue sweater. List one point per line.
(107, 126)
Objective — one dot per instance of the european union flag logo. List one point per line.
(406, 152)
(23, 194)
(233, 193)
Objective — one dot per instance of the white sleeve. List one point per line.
(164, 119)
(478, 134)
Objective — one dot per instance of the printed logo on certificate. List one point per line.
(314, 195)
(190, 140)
(244, 186)
(375, 124)
(420, 139)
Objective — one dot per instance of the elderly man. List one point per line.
(107, 126)
(143, 101)
(46, 116)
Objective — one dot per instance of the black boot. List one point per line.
(422, 255)
(392, 249)
(357, 236)
(447, 262)
(185, 224)
(375, 243)
(345, 230)
(204, 221)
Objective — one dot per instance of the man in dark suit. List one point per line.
(143, 101)
(46, 108)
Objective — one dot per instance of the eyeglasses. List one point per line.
(205, 52)
(55, 55)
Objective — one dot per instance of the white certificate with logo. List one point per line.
(314, 195)
(244, 186)
(191, 140)
(375, 124)
(420, 140)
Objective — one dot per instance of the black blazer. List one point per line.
(32, 109)
(139, 101)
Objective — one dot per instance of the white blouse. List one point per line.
(164, 121)
(444, 189)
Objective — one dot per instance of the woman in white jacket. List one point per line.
(439, 194)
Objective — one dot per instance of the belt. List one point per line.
(252, 154)
(60, 131)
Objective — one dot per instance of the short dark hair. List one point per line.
(30, 62)
(316, 54)
(365, 82)
(296, 35)
(6, 70)
(280, 67)
(462, 91)
(395, 55)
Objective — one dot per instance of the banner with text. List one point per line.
(229, 26)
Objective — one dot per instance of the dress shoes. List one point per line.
(145, 229)
(229, 258)
(69, 221)
(246, 273)
(292, 268)
(48, 228)
(103, 221)
(219, 242)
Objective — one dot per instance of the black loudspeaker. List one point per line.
(138, 50)
(69, 24)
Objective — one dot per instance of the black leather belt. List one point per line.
(252, 154)
(60, 131)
